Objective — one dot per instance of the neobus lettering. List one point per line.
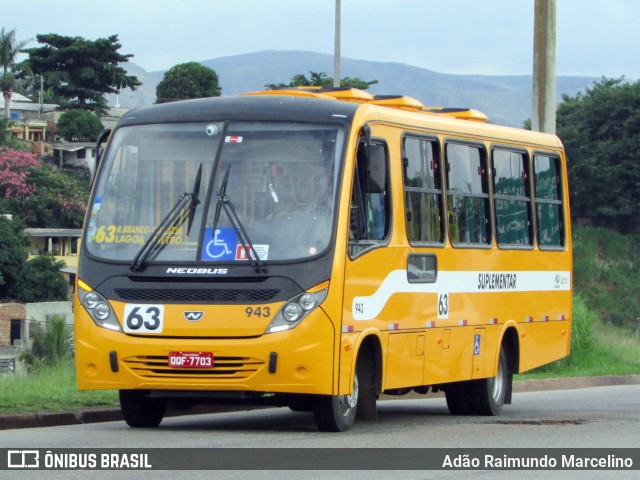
(197, 271)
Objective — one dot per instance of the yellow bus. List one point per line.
(317, 248)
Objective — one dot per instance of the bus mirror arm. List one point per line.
(366, 133)
(99, 150)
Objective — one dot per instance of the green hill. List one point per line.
(505, 99)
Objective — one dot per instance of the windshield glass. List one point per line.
(281, 186)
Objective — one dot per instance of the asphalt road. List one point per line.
(598, 417)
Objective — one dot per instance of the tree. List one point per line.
(15, 166)
(58, 200)
(12, 256)
(9, 49)
(42, 281)
(600, 130)
(320, 79)
(188, 80)
(38, 195)
(79, 126)
(80, 71)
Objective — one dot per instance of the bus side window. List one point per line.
(467, 195)
(512, 198)
(370, 211)
(548, 191)
(422, 191)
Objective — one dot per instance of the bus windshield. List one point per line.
(210, 192)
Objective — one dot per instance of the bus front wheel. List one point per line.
(139, 410)
(336, 413)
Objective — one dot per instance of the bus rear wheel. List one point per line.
(140, 411)
(480, 397)
(487, 395)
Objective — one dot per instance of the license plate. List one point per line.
(191, 359)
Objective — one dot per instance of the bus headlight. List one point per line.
(296, 309)
(292, 312)
(98, 307)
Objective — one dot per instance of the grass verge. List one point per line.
(49, 389)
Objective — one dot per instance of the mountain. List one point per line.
(505, 99)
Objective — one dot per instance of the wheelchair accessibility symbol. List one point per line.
(219, 245)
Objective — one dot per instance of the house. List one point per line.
(62, 243)
(35, 124)
(75, 155)
(32, 122)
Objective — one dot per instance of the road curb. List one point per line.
(97, 415)
(570, 383)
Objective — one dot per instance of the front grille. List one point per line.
(162, 295)
(223, 367)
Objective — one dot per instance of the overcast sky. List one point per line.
(594, 37)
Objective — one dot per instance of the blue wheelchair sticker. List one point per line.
(219, 245)
(476, 345)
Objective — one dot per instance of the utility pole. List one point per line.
(544, 67)
(41, 97)
(336, 51)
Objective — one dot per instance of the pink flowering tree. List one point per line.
(39, 195)
(15, 167)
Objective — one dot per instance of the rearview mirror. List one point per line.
(376, 169)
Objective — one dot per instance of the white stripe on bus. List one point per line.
(452, 282)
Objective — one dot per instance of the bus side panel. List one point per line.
(405, 344)
(543, 342)
(405, 359)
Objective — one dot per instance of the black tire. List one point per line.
(367, 396)
(140, 411)
(336, 413)
(487, 396)
(457, 400)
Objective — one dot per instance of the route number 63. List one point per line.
(443, 305)
(143, 318)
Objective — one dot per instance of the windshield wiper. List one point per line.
(224, 203)
(194, 198)
(175, 216)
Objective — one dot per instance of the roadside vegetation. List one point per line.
(50, 388)
(50, 384)
(605, 337)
